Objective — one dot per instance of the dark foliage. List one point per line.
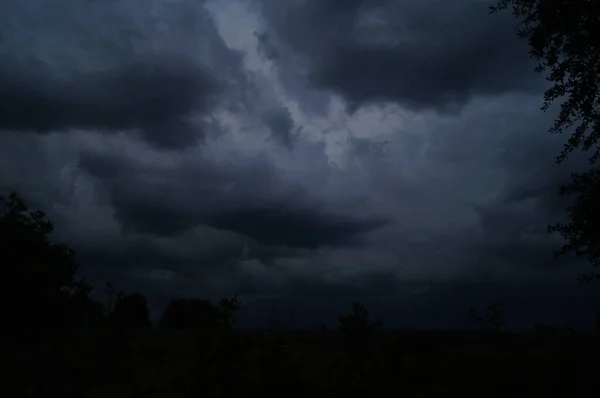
(199, 315)
(356, 329)
(39, 274)
(131, 312)
(43, 304)
(189, 314)
(582, 232)
(564, 36)
(491, 320)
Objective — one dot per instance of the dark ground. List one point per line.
(314, 364)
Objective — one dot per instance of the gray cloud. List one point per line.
(423, 55)
(110, 67)
(281, 125)
(243, 200)
(281, 225)
(417, 211)
(155, 97)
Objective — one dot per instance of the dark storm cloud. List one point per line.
(139, 217)
(146, 253)
(381, 284)
(423, 55)
(279, 224)
(153, 68)
(155, 97)
(281, 125)
(514, 225)
(467, 195)
(248, 200)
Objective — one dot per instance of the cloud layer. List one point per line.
(421, 55)
(308, 152)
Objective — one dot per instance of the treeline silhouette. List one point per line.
(61, 342)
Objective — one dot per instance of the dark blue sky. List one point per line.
(308, 153)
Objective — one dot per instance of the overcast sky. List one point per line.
(298, 153)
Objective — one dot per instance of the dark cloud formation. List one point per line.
(243, 201)
(111, 67)
(156, 97)
(280, 225)
(513, 226)
(292, 199)
(423, 55)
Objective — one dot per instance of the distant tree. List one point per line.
(189, 314)
(131, 312)
(198, 314)
(564, 37)
(491, 320)
(356, 331)
(86, 312)
(226, 311)
(113, 294)
(128, 317)
(355, 327)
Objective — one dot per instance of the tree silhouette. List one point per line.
(356, 322)
(189, 314)
(42, 273)
(226, 309)
(131, 312)
(113, 294)
(44, 305)
(582, 232)
(84, 312)
(491, 320)
(564, 37)
(356, 331)
(355, 327)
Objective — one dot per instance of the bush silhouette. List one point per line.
(85, 313)
(356, 325)
(189, 314)
(199, 314)
(131, 312)
(113, 294)
(226, 311)
(491, 320)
